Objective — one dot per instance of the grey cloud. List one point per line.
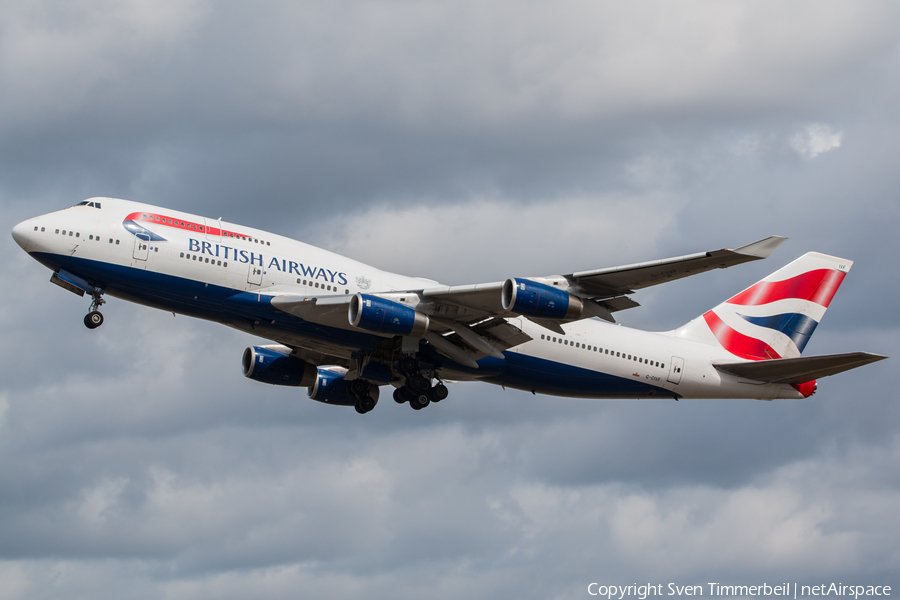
(463, 142)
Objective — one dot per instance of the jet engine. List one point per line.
(380, 315)
(330, 387)
(539, 300)
(275, 365)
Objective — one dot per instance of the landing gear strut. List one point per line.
(94, 318)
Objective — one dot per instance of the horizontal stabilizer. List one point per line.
(798, 370)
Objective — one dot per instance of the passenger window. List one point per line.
(35, 227)
(42, 230)
(207, 260)
(64, 232)
(219, 263)
(57, 231)
(182, 255)
(117, 242)
(225, 264)
(77, 234)
(195, 257)
(664, 365)
(70, 234)
(317, 284)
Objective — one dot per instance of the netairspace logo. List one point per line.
(784, 590)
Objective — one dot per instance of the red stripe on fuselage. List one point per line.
(159, 219)
(736, 342)
(817, 286)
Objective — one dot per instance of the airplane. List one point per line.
(344, 329)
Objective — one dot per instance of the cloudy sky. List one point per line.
(461, 141)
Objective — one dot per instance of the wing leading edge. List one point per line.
(606, 290)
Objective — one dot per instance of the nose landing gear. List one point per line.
(94, 318)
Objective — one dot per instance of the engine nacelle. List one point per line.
(380, 315)
(539, 300)
(330, 387)
(275, 365)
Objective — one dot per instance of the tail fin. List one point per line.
(775, 317)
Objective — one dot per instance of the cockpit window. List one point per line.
(82, 203)
(86, 203)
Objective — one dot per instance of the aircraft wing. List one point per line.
(604, 291)
(800, 369)
(616, 281)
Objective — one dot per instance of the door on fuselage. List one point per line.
(141, 246)
(213, 229)
(675, 369)
(254, 277)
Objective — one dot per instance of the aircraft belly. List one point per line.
(543, 376)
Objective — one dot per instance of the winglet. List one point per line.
(762, 248)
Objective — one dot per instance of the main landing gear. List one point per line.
(94, 318)
(359, 389)
(418, 390)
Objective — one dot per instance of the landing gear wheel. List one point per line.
(439, 392)
(408, 365)
(402, 395)
(419, 401)
(359, 388)
(418, 383)
(365, 404)
(93, 319)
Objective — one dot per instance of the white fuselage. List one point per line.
(198, 266)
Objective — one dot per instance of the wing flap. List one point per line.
(800, 369)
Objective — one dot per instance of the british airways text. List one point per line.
(286, 266)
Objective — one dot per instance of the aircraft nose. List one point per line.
(21, 233)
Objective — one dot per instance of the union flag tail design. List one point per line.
(775, 317)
